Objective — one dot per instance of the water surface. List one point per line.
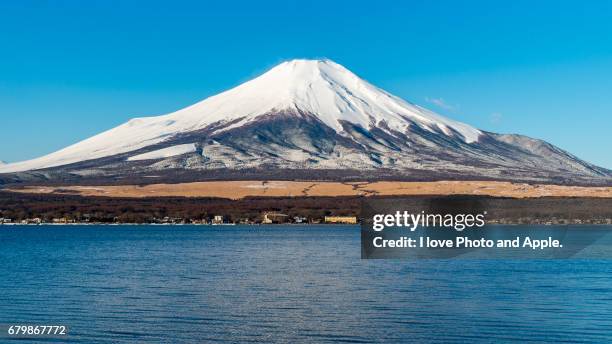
(291, 284)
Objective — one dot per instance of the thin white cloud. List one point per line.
(441, 103)
(496, 117)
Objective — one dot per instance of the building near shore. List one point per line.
(62, 220)
(274, 218)
(341, 219)
(299, 219)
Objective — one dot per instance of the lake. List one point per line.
(288, 284)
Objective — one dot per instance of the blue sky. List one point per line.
(69, 70)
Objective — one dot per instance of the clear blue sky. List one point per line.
(69, 70)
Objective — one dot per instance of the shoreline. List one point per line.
(271, 224)
(177, 225)
(23, 209)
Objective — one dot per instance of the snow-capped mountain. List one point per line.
(309, 115)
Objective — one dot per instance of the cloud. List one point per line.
(496, 117)
(441, 103)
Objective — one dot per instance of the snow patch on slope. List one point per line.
(165, 152)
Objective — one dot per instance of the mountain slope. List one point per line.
(311, 115)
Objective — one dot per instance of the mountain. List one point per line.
(307, 119)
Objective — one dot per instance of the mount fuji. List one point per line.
(305, 119)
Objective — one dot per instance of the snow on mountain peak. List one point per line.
(321, 88)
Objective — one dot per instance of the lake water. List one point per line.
(291, 284)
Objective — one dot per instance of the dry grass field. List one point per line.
(241, 189)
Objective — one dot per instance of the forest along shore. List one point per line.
(67, 208)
